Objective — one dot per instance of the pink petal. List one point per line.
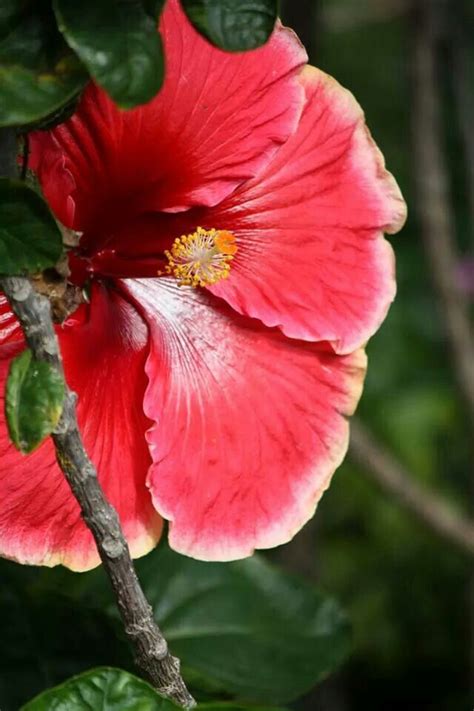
(104, 354)
(217, 120)
(250, 425)
(9, 327)
(312, 258)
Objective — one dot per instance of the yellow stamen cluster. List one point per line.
(201, 258)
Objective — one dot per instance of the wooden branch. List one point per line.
(394, 479)
(434, 205)
(344, 17)
(464, 96)
(150, 648)
(437, 218)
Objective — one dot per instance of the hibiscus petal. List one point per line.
(9, 327)
(217, 120)
(312, 258)
(250, 425)
(104, 355)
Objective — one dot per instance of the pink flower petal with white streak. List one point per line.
(312, 258)
(104, 352)
(10, 331)
(250, 425)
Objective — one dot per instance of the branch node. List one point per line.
(20, 290)
(113, 548)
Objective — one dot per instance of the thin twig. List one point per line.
(464, 96)
(434, 205)
(150, 648)
(401, 484)
(344, 17)
(440, 238)
(437, 218)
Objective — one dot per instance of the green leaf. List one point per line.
(233, 26)
(113, 690)
(30, 240)
(244, 630)
(38, 72)
(107, 689)
(33, 402)
(27, 97)
(118, 42)
(245, 627)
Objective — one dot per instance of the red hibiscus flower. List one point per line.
(233, 254)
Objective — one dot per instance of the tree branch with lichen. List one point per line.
(434, 205)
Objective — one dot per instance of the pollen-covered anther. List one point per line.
(201, 258)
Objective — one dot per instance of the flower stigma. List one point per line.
(201, 258)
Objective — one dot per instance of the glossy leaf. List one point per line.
(119, 44)
(113, 690)
(104, 688)
(38, 72)
(26, 97)
(245, 627)
(233, 26)
(33, 402)
(29, 236)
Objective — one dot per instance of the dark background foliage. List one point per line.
(406, 590)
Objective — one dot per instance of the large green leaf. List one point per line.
(245, 627)
(29, 237)
(27, 97)
(234, 26)
(243, 630)
(33, 402)
(38, 72)
(109, 689)
(119, 44)
(101, 690)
